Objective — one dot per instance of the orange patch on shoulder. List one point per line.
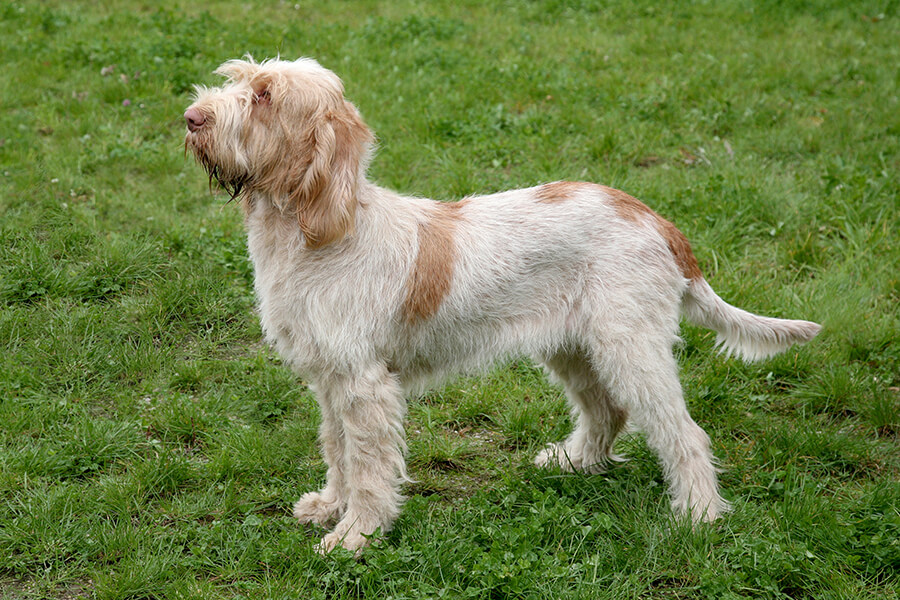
(634, 210)
(432, 274)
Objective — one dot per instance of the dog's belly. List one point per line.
(468, 341)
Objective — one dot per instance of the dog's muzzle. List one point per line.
(194, 118)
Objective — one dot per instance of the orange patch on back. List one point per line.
(634, 210)
(433, 272)
(681, 250)
(631, 209)
(558, 191)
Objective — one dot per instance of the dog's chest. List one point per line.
(282, 285)
(317, 307)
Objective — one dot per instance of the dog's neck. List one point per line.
(269, 218)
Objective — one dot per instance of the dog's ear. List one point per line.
(325, 198)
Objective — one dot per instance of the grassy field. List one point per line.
(151, 446)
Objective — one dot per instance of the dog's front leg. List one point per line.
(369, 408)
(328, 504)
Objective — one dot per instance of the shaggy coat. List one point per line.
(370, 295)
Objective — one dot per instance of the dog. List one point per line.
(370, 295)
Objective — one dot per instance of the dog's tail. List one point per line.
(741, 333)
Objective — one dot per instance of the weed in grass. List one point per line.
(440, 450)
(883, 412)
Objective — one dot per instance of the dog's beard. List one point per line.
(234, 184)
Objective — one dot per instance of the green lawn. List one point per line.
(151, 445)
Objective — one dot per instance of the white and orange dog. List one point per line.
(370, 295)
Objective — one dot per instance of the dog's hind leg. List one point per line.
(641, 374)
(370, 408)
(597, 418)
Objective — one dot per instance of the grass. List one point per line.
(151, 446)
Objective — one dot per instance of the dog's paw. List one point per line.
(701, 509)
(349, 541)
(314, 507)
(559, 456)
(555, 456)
(348, 535)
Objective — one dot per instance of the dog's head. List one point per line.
(284, 129)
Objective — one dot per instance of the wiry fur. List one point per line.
(370, 295)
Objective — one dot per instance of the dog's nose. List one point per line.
(194, 118)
